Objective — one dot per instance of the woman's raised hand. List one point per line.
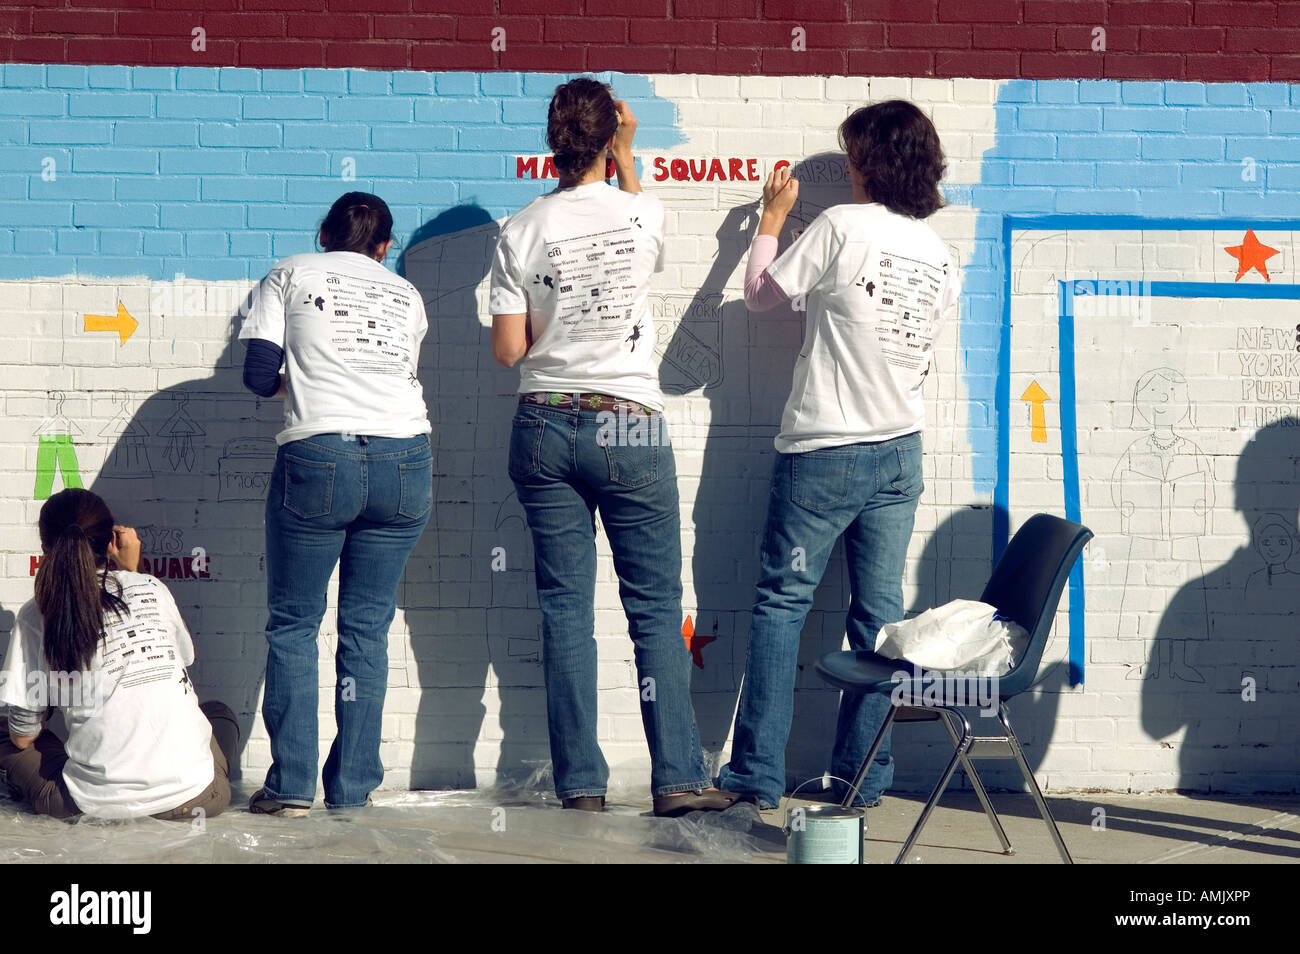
(626, 126)
(124, 548)
(780, 191)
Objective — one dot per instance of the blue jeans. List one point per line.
(868, 493)
(360, 503)
(565, 467)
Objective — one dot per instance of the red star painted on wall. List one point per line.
(695, 643)
(1251, 253)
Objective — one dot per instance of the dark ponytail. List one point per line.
(357, 222)
(72, 594)
(579, 124)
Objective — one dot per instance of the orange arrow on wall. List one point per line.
(122, 323)
(1035, 395)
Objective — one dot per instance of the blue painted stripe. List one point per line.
(1002, 408)
(1070, 470)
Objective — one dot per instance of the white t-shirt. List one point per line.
(579, 262)
(138, 743)
(877, 286)
(351, 332)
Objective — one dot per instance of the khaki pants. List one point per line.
(35, 774)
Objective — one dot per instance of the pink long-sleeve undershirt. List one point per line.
(762, 293)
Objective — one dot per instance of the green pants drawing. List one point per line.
(55, 453)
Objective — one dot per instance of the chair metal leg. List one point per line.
(866, 763)
(969, 768)
(958, 754)
(1033, 786)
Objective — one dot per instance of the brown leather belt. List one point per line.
(585, 401)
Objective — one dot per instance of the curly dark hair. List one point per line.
(579, 124)
(896, 150)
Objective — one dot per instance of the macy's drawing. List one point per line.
(1163, 486)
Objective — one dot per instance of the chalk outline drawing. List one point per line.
(1170, 461)
(126, 437)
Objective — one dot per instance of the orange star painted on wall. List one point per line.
(695, 643)
(1251, 253)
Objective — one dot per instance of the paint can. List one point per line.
(824, 835)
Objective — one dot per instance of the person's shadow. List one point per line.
(1241, 717)
(469, 589)
(188, 466)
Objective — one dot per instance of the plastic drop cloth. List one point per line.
(521, 823)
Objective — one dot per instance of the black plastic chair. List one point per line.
(1025, 587)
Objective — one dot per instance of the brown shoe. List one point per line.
(586, 803)
(708, 800)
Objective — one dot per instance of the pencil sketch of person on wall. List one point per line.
(1274, 541)
(1163, 486)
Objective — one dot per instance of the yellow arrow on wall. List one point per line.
(1035, 395)
(122, 323)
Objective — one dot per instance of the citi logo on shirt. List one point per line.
(77, 907)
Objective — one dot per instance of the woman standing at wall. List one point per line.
(569, 287)
(877, 282)
(352, 486)
(107, 646)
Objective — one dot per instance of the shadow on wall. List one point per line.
(1236, 690)
(188, 467)
(469, 591)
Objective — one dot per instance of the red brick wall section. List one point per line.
(1207, 40)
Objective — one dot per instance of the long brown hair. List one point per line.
(72, 593)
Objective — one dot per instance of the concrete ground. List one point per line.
(528, 827)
